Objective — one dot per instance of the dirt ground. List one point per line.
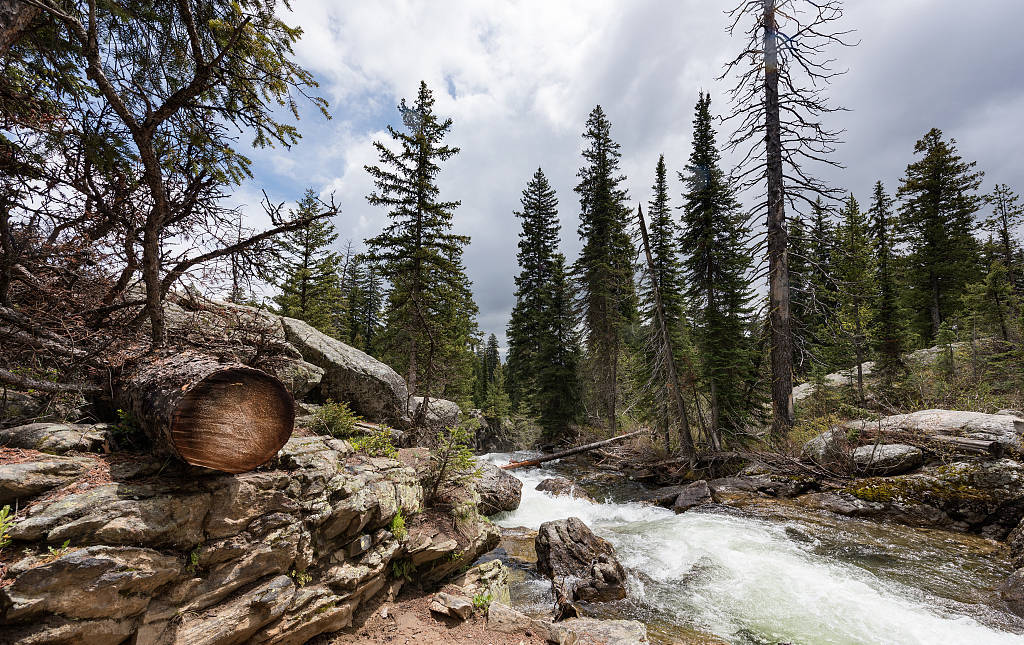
(407, 620)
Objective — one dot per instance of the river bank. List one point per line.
(762, 570)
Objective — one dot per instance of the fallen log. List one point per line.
(224, 416)
(938, 442)
(571, 451)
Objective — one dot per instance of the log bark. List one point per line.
(571, 451)
(942, 443)
(224, 416)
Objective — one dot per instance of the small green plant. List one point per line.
(52, 553)
(193, 558)
(335, 418)
(398, 526)
(126, 430)
(6, 523)
(302, 578)
(482, 601)
(403, 569)
(376, 444)
(451, 461)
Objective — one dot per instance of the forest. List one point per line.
(747, 327)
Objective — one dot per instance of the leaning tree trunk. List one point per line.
(224, 416)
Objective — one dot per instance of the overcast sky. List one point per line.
(519, 79)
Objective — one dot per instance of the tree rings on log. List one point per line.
(228, 417)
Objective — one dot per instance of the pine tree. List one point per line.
(605, 267)
(430, 310)
(559, 400)
(1008, 214)
(855, 273)
(824, 292)
(936, 222)
(310, 290)
(716, 266)
(365, 298)
(538, 244)
(664, 242)
(799, 295)
(886, 321)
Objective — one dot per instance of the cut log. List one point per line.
(224, 416)
(570, 451)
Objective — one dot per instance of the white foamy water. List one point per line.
(746, 581)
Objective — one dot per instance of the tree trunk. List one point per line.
(15, 17)
(778, 262)
(934, 307)
(571, 451)
(224, 416)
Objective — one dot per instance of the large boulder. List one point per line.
(439, 414)
(58, 438)
(581, 565)
(1012, 592)
(887, 459)
(1015, 541)
(563, 486)
(696, 494)
(372, 389)
(499, 491)
(21, 480)
(826, 447)
(1004, 429)
(594, 631)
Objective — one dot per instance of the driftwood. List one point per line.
(571, 451)
(224, 416)
(938, 442)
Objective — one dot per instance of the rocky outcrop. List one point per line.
(504, 619)
(581, 565)
(373, 389)
(563, 486)
(696, 494)
(58, 438)
(1001, 428)
(276, 555)
(887, 459)
(828, 446)
(498, 489)
(986, 497)
(440, 414)
(1012, 592)
(488, 579)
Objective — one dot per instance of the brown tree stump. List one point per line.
(224, 416)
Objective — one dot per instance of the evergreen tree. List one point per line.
(538, 244)
(559, 399)
(936, 222)
(310, 290)
(855, 274)
(605, 267)
(365, 298)
(492, 360)
(886, 321)
(990, 304)
(799, 295)
(824, 293)
(716, 267)
(430, 310)
(663, 236)
(1008, 214)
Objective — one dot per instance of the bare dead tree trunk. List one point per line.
(778, 261)
(227, 417)
(685, 436)
(571, 451)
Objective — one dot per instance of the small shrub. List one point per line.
(451, 461)
(193, 559)
(335, 419)
(6, 523)
(398, 526)
(403, 569)
(376, 444)
(52, 553)
(482, 601)
(302, 578)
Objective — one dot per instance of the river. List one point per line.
(773, 572)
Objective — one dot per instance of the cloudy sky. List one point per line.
(519, 78)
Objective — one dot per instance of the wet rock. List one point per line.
(498, 489)
(1012, 591)
(581, 565)
(504, 619)
(664, 496)
(373, 389)
(593, 631)
(1015, 543)
(451, 605)
(696, 494)
(21, 481)
(562, 486)
(520, 543)
(58, 438)
(887, 459)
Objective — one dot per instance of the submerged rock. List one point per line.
(498, 489)
(562, 486)
(581, 565)
(696, 494)
(887, 459)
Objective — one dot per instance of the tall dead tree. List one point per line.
(778, 104)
